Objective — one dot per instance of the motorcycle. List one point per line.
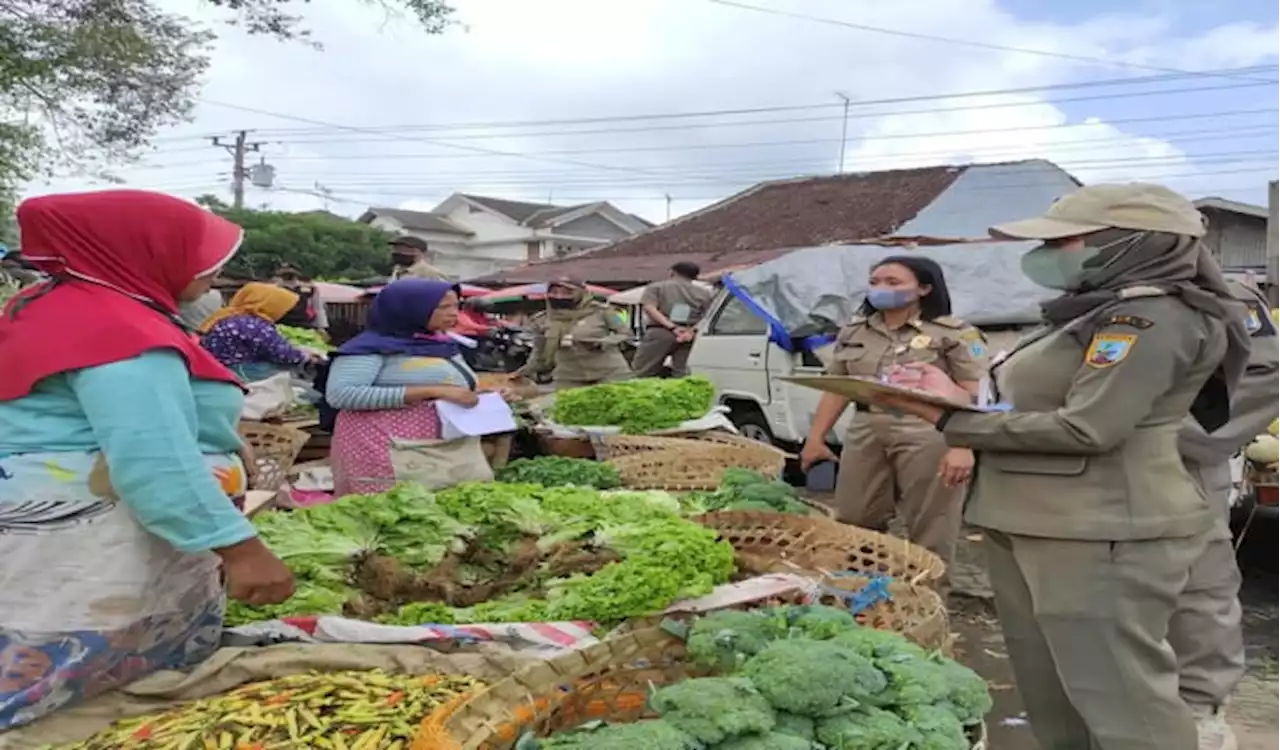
(500, 349)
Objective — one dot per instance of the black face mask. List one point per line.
(402, 259)
(562, 303)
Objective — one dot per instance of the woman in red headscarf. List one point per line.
(118, 455)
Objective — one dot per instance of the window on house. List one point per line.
(736, 319)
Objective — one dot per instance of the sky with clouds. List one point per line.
(664, 106)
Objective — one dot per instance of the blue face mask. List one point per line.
(891, 299)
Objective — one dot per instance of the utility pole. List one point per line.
(238, 149)
(325, 193)
(1273, 242)
(668, 197)
(844, 127)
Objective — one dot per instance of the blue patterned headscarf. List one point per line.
(398, 321)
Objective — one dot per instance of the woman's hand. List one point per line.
(814, 452)
(464, 397)
(254, 575)
(928, 378)
(956, 467)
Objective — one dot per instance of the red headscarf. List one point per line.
(119, 259)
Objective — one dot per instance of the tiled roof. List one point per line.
(928, 205)
(422, 221)
(756, 225)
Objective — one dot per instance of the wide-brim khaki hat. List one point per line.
(1138, 206)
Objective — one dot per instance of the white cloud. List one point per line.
(565, 59)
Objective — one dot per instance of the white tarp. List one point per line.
(817, 289)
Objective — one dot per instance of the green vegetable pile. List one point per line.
(559, 471)
(637, 406)
(304, 337)
(490, 552)
(744, 489)
(801, 678)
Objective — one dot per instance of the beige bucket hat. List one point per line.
(1138, 206)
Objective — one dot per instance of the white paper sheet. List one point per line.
(488, 417)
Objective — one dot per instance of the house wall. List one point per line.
(594, 226)
(1236, 240)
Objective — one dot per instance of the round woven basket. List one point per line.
(775, 542)
(569, 447)
(694, 465)
(275, 448)
(616, 446)
(608, 681)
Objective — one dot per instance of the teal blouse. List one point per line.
(154, 424)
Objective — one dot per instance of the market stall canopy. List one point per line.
(807, 294)
(632, 296)
(538, 292)
(338, 293)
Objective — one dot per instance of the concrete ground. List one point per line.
(1253, 712)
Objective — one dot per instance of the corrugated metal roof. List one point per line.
(989, 194)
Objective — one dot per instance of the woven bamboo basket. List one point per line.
(694, 465)
(609, 681)
(616, 446)
(916, 612)
(275, 448)
(775, 542)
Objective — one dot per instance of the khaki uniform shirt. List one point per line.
(867, 348)
(1090, 449)
(590, 352)
(681, 300)
(419, 270)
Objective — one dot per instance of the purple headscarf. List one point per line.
(398, 321)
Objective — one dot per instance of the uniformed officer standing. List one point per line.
(905, 318)
(1205, 630)
(672, 309)
(577, 339)
(1092, 521)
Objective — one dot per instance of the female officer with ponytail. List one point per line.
(889, 458)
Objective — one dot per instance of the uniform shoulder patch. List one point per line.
(1108, 349)
(1133, 321)
(949, 321)
(973, 334)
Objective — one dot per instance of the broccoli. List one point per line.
(867, 729)
(875, 644)
(820, 622)
(654, 734)
(713, 709)
(914, 680)
(967, 693)
(813, 678)
(941, 728)
(772, 741)
(794, 725)
(723, 638)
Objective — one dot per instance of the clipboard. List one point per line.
(860, 390)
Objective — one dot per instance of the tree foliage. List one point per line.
(319, 244)
(86, 83)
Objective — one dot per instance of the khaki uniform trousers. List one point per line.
(655, 346)
(889, 461)
(1085, 624)
(1205, 631)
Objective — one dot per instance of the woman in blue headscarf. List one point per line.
(386, 384)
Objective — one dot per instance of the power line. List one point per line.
(281, 132)
(874, 163)
(315, 138)
(949, 40)
(800, 142)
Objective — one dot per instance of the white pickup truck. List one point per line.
(734, 351)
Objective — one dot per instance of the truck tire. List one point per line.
(751, 422)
